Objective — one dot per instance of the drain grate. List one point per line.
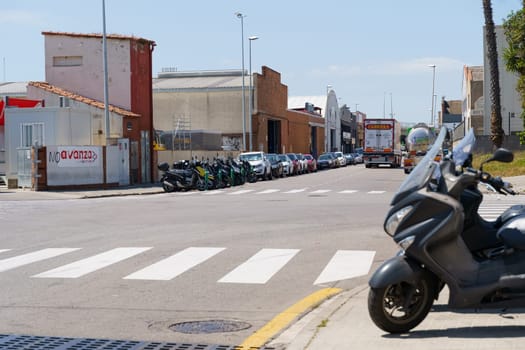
(28, 342)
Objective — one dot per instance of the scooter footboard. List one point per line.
(395, 270)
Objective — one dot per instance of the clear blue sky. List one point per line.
(370, 51)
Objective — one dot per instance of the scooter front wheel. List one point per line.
(168, 187)
(398, 308)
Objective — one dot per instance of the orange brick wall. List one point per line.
(271, 103)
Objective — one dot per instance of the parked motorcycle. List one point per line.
(182, 177)
(434, 219)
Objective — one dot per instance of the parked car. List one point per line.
(311, 163)
(287, 164)
(277, 165)
(302, 162)
(358, 158)
(295, 162)
(260, 163)
(326, 161)
(349, 159)
(341, 160)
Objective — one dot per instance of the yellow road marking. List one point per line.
(279, 322)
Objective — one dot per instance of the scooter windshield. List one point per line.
(464, 148)
(422, 173)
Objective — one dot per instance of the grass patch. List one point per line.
(515, 168)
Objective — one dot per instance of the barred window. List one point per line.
(31, 133)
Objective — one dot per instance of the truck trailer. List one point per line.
(419, 139)
(382, 143)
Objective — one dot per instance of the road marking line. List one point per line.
(282, 320)
(4, 250)
(240, 192)
(11, 263)
(175, 265)
(210, 193)
(296, 191)
(376, 192)
(96, 262)
(349, 191)
(320, 191)
(260, 267)
(268, 191)
(185, 193)
(346, 264)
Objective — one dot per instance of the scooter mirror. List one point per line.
(501, 155)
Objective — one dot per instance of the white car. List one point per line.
(261, 165)
(303, 162)
(287, 164)
(341, 160)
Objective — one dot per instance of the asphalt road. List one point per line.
(131, 267)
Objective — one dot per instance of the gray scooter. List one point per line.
(434, 219)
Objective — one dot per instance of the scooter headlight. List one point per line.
(392, 223)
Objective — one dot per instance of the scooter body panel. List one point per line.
(396, 270)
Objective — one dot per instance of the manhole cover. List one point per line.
(209, 326)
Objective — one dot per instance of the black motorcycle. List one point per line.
(434, 219)
(182, 177)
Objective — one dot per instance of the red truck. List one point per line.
(382, 143)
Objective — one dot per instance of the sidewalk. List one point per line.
(343, 323)
(27, 194)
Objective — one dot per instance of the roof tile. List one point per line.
(98, 104)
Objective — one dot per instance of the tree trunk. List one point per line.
(492, 56)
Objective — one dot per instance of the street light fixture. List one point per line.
(433, 66)
(241, 17)
(251, 38)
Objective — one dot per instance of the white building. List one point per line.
(329, 111)
(509, 98)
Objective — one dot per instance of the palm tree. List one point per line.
(492, 56)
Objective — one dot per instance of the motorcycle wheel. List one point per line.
(400, 307)
(201, 185)
(168, 188)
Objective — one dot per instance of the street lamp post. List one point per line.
(433, 66)
(241, 17)
(251, 38)
(105, 63)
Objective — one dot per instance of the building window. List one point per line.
(67, 61)
(31, 134)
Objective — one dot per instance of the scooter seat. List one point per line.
(512, 233)
(510, 213)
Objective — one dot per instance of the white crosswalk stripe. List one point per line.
(21, 260)
(320, 191)
(490, 211)
(240, 192)
(346, 264)
(296, 191)
(268, 191)
(260, 267)
(211, 193)
(88, 265)
(175, 265)
(257, 269)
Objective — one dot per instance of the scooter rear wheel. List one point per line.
(398, 308)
